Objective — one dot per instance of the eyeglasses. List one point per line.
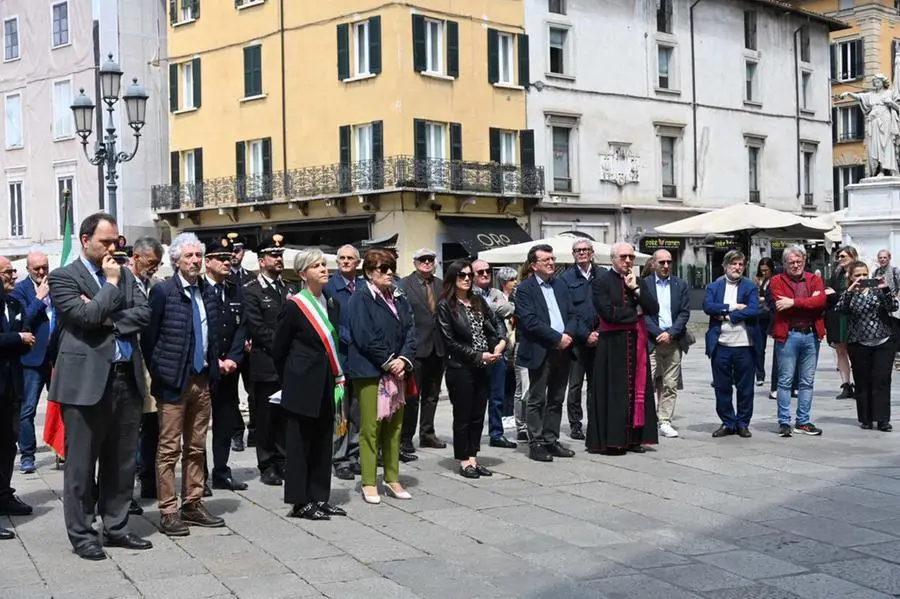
(464, 275)
(482, 272)
(426, 259)
(626, 256)
(664, 262)
(583, 251)
(795, 263)
(8, 271)
(384, 268)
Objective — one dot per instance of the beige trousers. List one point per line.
(665, 361)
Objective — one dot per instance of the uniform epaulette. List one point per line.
(251, 283)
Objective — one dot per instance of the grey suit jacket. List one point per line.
(428, 339)
(86, 340)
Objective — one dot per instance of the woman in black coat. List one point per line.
(473, 338)
(305, 355)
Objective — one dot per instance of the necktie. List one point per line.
(219, 292)
(429, 295)
(198, 330)
(279, 285)
(351, 285)
(123, 346)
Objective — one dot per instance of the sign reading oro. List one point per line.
(493, 240)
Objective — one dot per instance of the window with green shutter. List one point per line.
(253, 71)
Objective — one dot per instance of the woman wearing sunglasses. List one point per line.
(380, 364)
(474, 338)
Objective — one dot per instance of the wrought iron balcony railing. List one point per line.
(393, 173)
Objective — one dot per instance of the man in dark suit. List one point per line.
(98, 380)
(238, 277)
(34, 294)
(547, 327)
(732, 304)
(580, 279)
(667, 332)
(341, 285)
(423, 288)
(14, 342)
(231, 334)
(263, 298)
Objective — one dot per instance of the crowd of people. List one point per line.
(343, 370)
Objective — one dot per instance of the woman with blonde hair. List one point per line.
(836, 322)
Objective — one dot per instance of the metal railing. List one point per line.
(393, 173)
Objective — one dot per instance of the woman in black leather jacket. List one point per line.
(474, 339)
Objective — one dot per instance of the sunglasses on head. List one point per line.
(384, 268)
(464, 275)
(426, 259)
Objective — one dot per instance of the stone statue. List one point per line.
(881, 107)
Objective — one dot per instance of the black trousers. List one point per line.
(148, 440)
(9, 436)
(546, 392)
(420, 410)
(581, 367)
(105, 432)
(307, 475)
(872, 368)
(226, 422)
(469, 389)
(270, 440)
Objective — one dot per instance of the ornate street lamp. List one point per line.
(135, 110)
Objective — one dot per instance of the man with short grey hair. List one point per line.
(890, 273)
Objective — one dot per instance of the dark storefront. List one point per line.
(326, 234)
(474, 235)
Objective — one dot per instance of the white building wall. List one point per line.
(612, 92)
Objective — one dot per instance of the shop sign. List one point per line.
(725, 243)
(651, 244)
(781, 244)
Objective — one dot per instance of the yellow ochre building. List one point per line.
(349, 122)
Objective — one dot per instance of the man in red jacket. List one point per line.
(798, 329)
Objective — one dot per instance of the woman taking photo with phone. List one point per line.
(868, 304)
(474, 338)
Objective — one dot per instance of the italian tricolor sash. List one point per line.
(324, 329)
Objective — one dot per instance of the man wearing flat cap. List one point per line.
(226, 413)
(423, 289)
(263, 298)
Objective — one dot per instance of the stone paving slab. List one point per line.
(761, 518)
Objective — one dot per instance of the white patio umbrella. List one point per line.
(562, 248)
(834, 235)
(750, 218)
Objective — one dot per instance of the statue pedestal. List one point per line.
(872, 220)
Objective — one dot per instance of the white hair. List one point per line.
(582, 241)
(350, 247)
(179, 243)
(796, 250)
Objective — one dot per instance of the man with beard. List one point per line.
(622, 410)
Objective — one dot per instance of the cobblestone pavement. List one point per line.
(761, 518)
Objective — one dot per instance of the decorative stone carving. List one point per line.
(619, 165)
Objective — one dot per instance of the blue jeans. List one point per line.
(33, 379)
(734, 367)
(798, 354)
(497, 373)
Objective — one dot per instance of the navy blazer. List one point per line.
(338, 290)
(36, 321)
(535, 336)
(581, 290)
(714, 305)
(681, 311)
(12, 347)
(377, 336)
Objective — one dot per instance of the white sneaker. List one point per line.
(667, 430)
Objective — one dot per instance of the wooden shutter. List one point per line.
(419, 51)
(833, 50)
(834, 125)
(344, 157)
(198, 177)
(173, 87)
(893, 59)
(859, 59)
(173, 11)
(493, 57)
(240, 170)
(524, 66)
(195, 8)
(452, 31)
(494, 138)
(252, 68)
(420, 151)
(526, 148)
(375, 45)
(377, 154)
(456, 141)
(175, 168)
(267, 167)
(859, 122)
(836, 188)
(343, 51)
(195, 69)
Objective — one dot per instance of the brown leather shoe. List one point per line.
(173, 526)
(431, 441)
(196, 514)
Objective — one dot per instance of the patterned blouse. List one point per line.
(476, 319)
(868, 315)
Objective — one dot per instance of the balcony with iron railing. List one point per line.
(396, 173)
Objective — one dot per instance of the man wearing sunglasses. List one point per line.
(423, 288)
(580, 279)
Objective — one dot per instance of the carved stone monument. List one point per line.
(872, 220)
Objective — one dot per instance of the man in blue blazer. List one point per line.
(33, 293)
(667, 332)
(732, 304)
(342, 285)
(547, 326)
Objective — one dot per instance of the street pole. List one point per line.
(112, 164)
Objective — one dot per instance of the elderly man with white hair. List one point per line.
(182, 352)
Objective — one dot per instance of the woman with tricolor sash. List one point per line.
(312, 388)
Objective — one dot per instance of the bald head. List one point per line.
(37, 265)
(7, 274)
(623, 257)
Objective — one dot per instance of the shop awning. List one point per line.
(479, 234)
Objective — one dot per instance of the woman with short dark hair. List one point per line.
(474, 338)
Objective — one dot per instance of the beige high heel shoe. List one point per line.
(371, 499)
(390, 492)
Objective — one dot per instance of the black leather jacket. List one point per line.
(456, 330)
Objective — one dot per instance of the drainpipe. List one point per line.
(101, 188)
(694, 91)
(283, 91)
(797, 109)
